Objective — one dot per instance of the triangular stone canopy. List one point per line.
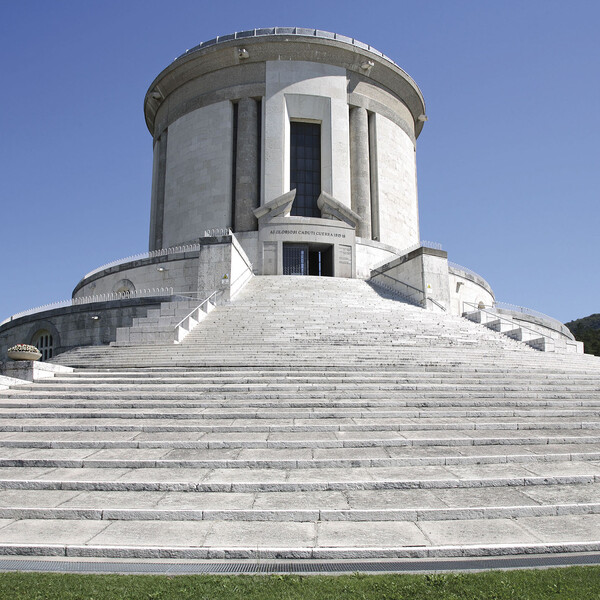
(330, 209)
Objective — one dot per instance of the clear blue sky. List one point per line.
(508, 164)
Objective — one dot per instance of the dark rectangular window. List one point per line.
(305, 168)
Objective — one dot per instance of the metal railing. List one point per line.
(413, 295)
(193, 317)
(529, 311)
(465, 269)
(147, 293)
(409, 297)
(217, 232)
(498, 316)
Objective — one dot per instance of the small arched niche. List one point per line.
(43, 340)
(124, 287)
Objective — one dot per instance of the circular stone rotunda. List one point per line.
(289, 371)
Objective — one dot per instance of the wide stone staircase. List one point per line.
(309, 418)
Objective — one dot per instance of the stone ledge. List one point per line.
(27, 370)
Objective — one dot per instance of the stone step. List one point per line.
(391, 445)
(358, 505)
(300, 515)
(521, 477)
(294, 540)
(362, 426)
(365, 415)
(64, 427)
(276, 384)
(232, 401)
(290, 458)
(266, 393)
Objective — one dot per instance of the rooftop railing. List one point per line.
(145, 255)
(465, 269)
(529, 311)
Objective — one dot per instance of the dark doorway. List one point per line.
(320, 262)
(308, 260)
(327, 262)
(295, 259)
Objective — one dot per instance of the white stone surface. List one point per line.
(395, 170)
(198, 176)
(29, 370)
(465, 289)
(297, 90)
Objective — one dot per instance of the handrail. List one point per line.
(196, 308)
(508, 320)
(412, 287)
(436, 303)
(425, 296)
(528, 311)
(108, 297)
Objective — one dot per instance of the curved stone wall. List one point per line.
(468, 287)
(220, 116)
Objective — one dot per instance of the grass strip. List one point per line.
(571, 583)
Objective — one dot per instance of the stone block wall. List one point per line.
(198, 180)
(74, 326)
(394, 167)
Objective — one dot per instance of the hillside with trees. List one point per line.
(587, 330)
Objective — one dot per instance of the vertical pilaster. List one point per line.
(359, 170)
(246, 176)
(159, 171)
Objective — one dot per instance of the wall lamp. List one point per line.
(95, 317)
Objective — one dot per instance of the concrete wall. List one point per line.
(199, 272)
(198, 174)
(73, 326)
(369, 254)
(468, 287)
(298, 90)
(241, 268)
(177, 271)
(421, 276)
(394, 167)
(549, 327)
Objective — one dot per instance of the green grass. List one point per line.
(565, 584)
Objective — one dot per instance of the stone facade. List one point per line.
(224, 111)
(228, 176)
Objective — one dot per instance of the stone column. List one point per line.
(246, 174)
(359, 170)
